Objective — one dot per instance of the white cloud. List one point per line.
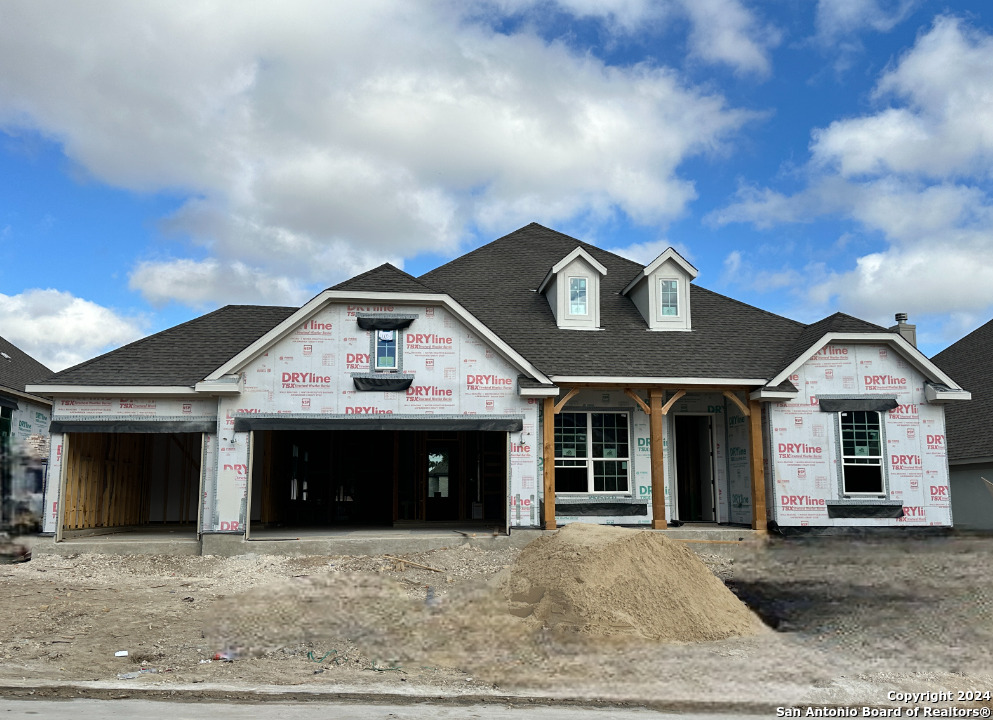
(837, 18)
(723, 31)
(307, 131)
(210, 282)
(915, 175)
(944, 127)
(59, 330)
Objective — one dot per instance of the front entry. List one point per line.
(695, 496)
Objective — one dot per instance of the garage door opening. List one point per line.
(377, 478)
(131, 481)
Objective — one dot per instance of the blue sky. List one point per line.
(158, 160)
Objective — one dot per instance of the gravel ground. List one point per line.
(852, 619)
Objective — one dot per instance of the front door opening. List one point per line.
(331, 478)
(695, 496)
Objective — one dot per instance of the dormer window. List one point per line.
(668, 298)
(577, 296)
(661, 292)
(572, 288)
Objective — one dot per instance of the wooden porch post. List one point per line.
(548, 462)
(658, 464)
(755, 454)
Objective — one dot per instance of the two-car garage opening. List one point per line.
(322, 478)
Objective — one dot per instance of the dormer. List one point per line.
(572, 288)
(661, 292)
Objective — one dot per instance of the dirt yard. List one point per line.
(852, 620)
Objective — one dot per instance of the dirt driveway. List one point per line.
(852, 619)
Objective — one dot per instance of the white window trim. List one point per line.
(883, 492)
(568, 291)
(590, 459)
(679, 301)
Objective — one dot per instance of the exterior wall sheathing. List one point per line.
(806, 466)
(308, 374)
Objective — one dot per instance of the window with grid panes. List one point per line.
(592, 452)
(861, 452)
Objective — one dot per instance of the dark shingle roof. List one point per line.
(182, 355)
(969, 425)
(385, 278)
(837, 323)
(498, 283)
(17, 368)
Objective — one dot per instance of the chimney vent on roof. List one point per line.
(909, 332)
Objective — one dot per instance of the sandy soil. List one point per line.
(853, 619)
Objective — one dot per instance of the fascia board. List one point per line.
(910, 353)
(113, 390)
(235, 364)
(934, 395)
(578, 252)
(550, 391)
(621, 380)
(26, 395)
(228, 385)
(770, 394)
(546, 280)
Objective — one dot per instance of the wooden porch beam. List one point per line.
(657, 459)
(737, 401)
(755, 454)
(548, 461)
(637, 398)
(664, 409)
(561, 403)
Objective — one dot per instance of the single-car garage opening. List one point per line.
(131, 481)
(356, 477)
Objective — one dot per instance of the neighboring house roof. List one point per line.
(180, 356)
(498, 284)
(969, 425)
(385, 278)
(17, 368)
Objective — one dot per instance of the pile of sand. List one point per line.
(599, 581)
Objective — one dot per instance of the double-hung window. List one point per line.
(386, 350)
(577, 296)
(669, 298)
(861, 452)
(592, 452)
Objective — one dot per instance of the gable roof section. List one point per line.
(385, 278)
(969, 425)
(837, 323)
(845, 328)
(498, 283)
(178, 357)
(667, 254)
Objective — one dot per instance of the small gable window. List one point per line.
(577, 296)
(669, 298)
(386, 349)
